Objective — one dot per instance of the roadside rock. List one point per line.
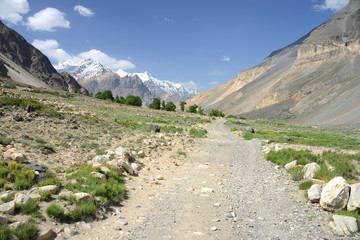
(8, 208)
(345, 225)
(246, 129)
(291, 165)
(207, 190)
(335, 194)
(45, 234)
(98, 175)
(34, 196)
(310, 169)
(52, 188)
(354, 200)
(314, 193)
(101, 159)
(21, 198)
(135, 166)
(123, 152)
(83, 197)
(155, 128)
(124, 163)
(3, 219)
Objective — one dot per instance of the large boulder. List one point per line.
(310, 169)
(354, 200)
(290, 165)
(314, 193)
(335, 194)
(7, 208)
(345, 225)
(52, 188)
(21, 198)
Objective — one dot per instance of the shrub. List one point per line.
(216, 113)
(155, 104)
(56, 212)
(82, 210)
(296, 173)
(51, 179)
(26, 231)
(231, 116)
(133, 101)
(29, 207)
(192, 109)
(45, 195)
(306, 185)
(5, 232)
(199, 133)
(287, 155)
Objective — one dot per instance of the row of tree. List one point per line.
(158, 105)
(129, 100)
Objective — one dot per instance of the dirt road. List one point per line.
(226, 190)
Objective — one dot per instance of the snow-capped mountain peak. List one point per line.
(84, 69)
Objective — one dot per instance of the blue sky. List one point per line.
(201, 43)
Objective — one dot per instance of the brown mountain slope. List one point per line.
(28, 65)
(316, 80)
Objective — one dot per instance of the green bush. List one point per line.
(82, 210)
(14, 172)
(56, 212)
(5, 232)
(296, 173)
(306, 185)
(26, 231)
(45, 195)
(216, 113)
(155, 104)
(192, 109)
(29, 207)
(287, 155)
(170, 106)
(198, 133)
(231, 116)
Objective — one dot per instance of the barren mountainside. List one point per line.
(315, 80)
(28, 65)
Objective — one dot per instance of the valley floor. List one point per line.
(224, 190)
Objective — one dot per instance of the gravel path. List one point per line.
(251, 198)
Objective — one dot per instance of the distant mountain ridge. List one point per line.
(26, 64)
(312, 81)
(95, 77)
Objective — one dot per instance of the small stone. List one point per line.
(159, 178)
(122, 222)
(117, 227)
(155, 128)
(217, 204)
(45, 234)
(70, 232)
(82, 196)
(214, 228)
(98, 175)
(291, 165)
(52, 188)
(18, 119)
(207, 190)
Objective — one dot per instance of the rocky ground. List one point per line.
(219, 187)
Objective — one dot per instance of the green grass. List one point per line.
(13, 172)
(296, 173)
(306, 185)
(82, 210)
(112, 188)
(5, 232)
(288, 155)
(50, 179)
(26, 231)
(198, 133)
(55, 211)
(29, 207)
(349, 214)
(45, 195)
(22, 102)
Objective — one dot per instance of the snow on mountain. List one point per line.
(82, 70)
(161, 87)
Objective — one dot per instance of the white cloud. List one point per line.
(167, 19)
(190, 85)
(333, 5)
(50, 48)
(11, 10)
(213, 83)
(86, 12)
(47, 20)
(225, 58)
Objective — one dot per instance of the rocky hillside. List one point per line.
(28, 65)
(313, 81)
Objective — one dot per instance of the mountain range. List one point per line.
(315, 80)
(23, 63)
(95, 77)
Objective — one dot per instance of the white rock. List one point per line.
(104, 169)
(159, 177)
(101, 159)
(52, 188)
(314, 193)
(18, 157)
(277, 148)
(66, 194)
(8, 208)
(214, 228)
(115, 165)
(21, 198)
(335, 194)
(83, 197)
(291, 164)
(141, 153)
(354, 200)
(122, 222)
(310, 169)
(98, 175)
(135, 166)
(207, 190)
(120, 151)
(345, 225)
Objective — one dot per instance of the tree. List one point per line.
(155, 104)
(107, 95)
(216, 113)
(163, 105)
(78, 91)
(192, 109)
(182, 106)
(133, 101)
(170, 106)
(201, 111)
(117, 99)
(122, 100)
(98, 95)
(91, 95)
